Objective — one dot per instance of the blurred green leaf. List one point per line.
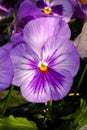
(39, 116)
(79, 118)
(18, 123)
(15, 100)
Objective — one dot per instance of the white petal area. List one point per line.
(45, 87)
(60, 53)
(38, 31)
(47, 2)
(67, 7)
(25, 65)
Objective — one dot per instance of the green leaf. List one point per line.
(81, 118)
(18, 123)
(39, 116)
(15, 100)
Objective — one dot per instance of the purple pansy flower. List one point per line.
(44, 67)
(77, 9)
(56, 7)
(42, 8)
(6, 69)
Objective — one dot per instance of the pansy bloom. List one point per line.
(43, 8)
(6, 69)
(77, 9)
(44, 67)
(56, 7)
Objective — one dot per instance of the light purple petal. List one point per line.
(67, 8)
(27, 9)
(26, 12)
(24, 61)
(7, 46)
(6, 70)
(63, 55)
(45, 87)
(38, 31)
(17, 38)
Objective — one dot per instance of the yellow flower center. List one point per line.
(43, 67)
(47, 10)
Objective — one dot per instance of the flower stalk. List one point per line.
(7, 99)
(81, 78)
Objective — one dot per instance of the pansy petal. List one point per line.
(41, 4)
(66, 7)
(77, 9)
(23, 62)
(63, 55)
(27, 9)
(38, 31)
(84, 8)
(7, 46)
(6, 69)
(81, 41)
(26, 12)
(16, 38)
(58, 9)
(45, 87)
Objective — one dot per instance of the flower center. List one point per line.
(47, 10)
(43, 66)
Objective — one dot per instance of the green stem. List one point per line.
(81, 79)
(49, 105)
(7, 100)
